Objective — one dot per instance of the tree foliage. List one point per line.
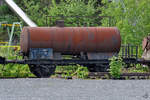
(37, 10)
(131, 17)
(78, 9)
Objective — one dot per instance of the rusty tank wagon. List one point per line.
(44, 48)
(82, 43)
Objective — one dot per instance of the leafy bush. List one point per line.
(116, 67)
(73, 71)
(13, 70)
(81, 72)
(139, 68)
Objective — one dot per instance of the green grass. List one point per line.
(73, 71)
(13, 70)
(138, 69)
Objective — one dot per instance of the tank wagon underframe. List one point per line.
(71, 62)
(36, 62)
(129, 54)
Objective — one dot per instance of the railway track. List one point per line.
(97, 75)
(106, 75)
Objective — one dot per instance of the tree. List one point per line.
(131, 17)
(74, 8)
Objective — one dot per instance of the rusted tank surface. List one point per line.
(71, 39)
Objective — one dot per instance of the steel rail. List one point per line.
(55, 62)
(107, 75)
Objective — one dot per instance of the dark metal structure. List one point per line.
(46, 67)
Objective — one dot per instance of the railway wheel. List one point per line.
(42, 71)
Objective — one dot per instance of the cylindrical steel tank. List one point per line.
(71, 39)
